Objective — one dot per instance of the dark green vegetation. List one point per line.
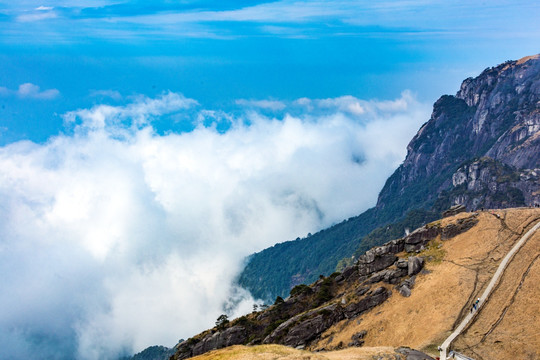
(152, 353)
(322, 252)
(476, 150)
(274, 271)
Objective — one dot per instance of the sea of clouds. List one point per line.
(115, 237)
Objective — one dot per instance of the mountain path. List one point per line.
(488, 290)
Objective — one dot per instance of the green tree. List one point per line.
(222, 321)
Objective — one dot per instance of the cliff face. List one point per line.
(495, 115)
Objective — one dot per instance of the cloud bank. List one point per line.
(114, 238)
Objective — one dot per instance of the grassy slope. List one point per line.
(439, 298)
(458, 271)
(279, 352)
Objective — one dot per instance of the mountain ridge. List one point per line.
(480, 148)
(410, 292)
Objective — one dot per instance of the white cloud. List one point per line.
(37, 16)
(30, 91)
(138, 113)
(115, 238)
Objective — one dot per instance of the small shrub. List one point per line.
(279, 300)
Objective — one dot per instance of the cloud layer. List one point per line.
(114, 238)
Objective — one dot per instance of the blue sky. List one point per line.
(148, 147)
(218, 52)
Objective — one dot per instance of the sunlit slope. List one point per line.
(366, 311)
(280, 352)
(457, 273)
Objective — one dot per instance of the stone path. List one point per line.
(487, 292)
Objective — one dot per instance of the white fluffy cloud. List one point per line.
(115, 238)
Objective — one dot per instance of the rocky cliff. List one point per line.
(494, 118)
(480, 148)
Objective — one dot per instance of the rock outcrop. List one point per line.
(310, 310)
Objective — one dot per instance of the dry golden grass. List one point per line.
(527, 58)
(442, 297)
(279, 352)
(508, 326)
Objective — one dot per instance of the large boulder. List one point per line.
(412, 354)
(414, 265)
(370, 263)
(376, 298)
(459, 227)
(417, 240)
(234, 335)
(454, 210)
(301, 329)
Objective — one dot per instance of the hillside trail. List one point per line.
(487, 292)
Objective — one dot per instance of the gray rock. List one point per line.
(393, 276)
(361, 291)
(402, 264)
(454, 210)
(232, 336)
(415, 264)
(358, 339)
(459, 227)
(376, 298)
(348, 271)
(303, 328)
(422, 235)
(375, 278)
(404, 290)
(412, 354)
(369, 263)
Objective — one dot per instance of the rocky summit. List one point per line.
(481, 148)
